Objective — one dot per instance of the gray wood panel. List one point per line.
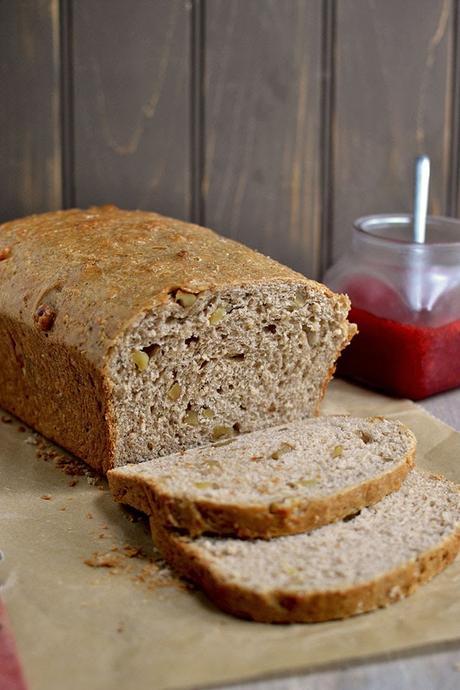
(392, 101)
(262, 126)
(454, 196)
(30, 158)
(132, 104)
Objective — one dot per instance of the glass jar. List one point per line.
(406, 301)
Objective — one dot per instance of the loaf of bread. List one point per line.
(279, 481)
(126, 335)
(339, 570)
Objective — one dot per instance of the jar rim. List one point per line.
(365, 225)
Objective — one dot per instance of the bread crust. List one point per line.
(278, 606)
(352, 331)
(73, 282)
(249, 521)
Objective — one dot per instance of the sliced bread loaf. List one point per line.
(125, 335)
(284, 480)
(379, 556)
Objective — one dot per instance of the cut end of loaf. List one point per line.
(205, 367)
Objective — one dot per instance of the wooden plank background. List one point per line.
(392, 102)
(276, 122)
(30, 145)
(132, 104)
(262, 120)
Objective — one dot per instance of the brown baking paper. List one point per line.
(103, 628)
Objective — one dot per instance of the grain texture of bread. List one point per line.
(340, 570)
(125, 335)
(279, 481)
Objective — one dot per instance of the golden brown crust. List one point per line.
(308, 607)
(249, 521)
(71, 284)
(352, 331)
(61, 394)
(79, 264)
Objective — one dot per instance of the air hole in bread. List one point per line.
(191, 340)
(151, 350)
(237, 358)
(365, 437)
(271, 328)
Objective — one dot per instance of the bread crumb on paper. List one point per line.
(103, 560)
(133, 551)
(149, 571)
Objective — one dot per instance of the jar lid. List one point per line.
(396, 229)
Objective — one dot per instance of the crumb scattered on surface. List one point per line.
(70, 465)
(154, 577)
(148, 570)
(47, 451)
(103, 560)
(133, 551)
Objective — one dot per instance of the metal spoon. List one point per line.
(421, 192)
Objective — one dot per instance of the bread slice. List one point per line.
(284, 480)
(372, 560)
(125, 335)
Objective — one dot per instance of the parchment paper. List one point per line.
(103, 628)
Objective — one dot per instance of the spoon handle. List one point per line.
(421, 191)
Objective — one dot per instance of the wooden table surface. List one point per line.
(433, 670)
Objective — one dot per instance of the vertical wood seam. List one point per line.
(327, 106)
(197, 111)
(454, 154)
(67, 103)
